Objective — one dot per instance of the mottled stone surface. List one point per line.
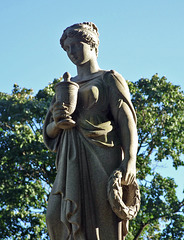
(95, 192)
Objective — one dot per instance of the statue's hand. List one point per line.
(59, 111)
(129, 173)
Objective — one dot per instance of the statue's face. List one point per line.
(79, 52)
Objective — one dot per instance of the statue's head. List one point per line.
(86, 32)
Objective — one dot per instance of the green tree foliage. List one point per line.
(27, 167)
(160, 112)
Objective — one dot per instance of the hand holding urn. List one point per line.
(66, 99)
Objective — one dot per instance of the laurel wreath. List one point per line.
(124, 199)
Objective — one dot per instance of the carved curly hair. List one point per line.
(86, 32)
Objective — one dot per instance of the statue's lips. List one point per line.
(74, 58)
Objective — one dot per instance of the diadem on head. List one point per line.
(86, 32)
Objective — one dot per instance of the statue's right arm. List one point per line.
(52, 130)
(51, 133)
(54, 114)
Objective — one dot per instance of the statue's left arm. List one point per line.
(125, 119)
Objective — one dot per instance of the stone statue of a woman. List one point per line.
(100, 149)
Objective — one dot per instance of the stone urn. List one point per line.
(66, 94)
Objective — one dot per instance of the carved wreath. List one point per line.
(124, 199)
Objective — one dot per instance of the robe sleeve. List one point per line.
(122, 112)
(50, 143)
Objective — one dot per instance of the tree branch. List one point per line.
(156, 218)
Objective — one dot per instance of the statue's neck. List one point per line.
(87, 69)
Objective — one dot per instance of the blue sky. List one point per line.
(137, 39)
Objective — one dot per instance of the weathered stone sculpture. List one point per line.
(66, 95)
(95, 192)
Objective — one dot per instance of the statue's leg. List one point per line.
(56, 229)
(107, 222)
(108, 230)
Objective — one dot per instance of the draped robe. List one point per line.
(86, 157)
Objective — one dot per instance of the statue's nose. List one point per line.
(72, 50)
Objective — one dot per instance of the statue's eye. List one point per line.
(78, 44)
